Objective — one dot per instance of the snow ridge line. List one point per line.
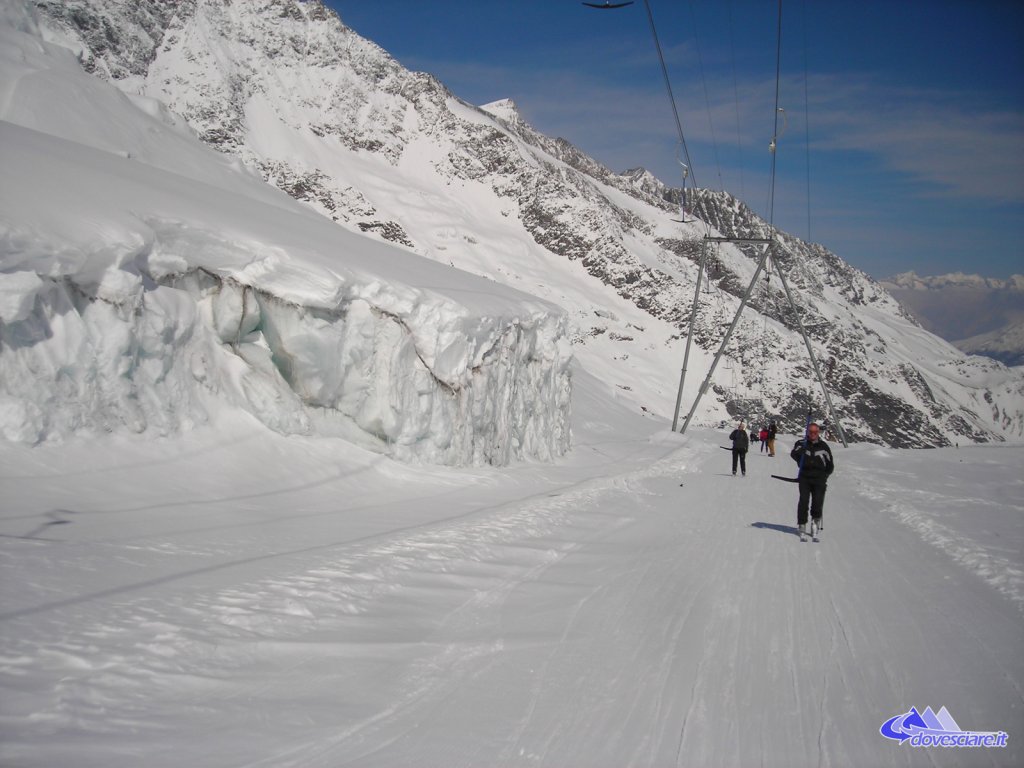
(998, 571)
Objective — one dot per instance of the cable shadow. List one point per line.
(201, 500)
(54, 517)
(229, 564)
(128, 466)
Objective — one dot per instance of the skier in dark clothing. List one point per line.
(816, 465)
(772, 429)
(740, 444)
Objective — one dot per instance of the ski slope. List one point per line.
(234, 597)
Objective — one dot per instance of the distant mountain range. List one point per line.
(980, 315)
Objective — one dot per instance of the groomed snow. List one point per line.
(235, 597)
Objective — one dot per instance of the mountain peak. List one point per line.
(503, 109)
(912, 281)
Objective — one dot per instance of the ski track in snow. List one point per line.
(619, 619)
(922, 510)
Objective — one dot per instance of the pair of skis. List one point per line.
(815, 532)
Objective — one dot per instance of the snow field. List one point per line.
(976, 528)
(340, 609)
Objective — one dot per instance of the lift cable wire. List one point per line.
(736, 99)
(707, 97)
(688, 170)
(807, 125)
(775, 131)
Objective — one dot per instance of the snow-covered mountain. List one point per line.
(913, 281)
(1005, 344)
(149, 283)
(979, 315)
(283, 88)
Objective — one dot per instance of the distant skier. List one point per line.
(772, 431)
(763, 437)
(740, 444)
(816, 465)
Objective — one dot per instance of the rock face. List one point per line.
(333, 120)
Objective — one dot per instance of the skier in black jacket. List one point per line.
(816, 464)
(740, 444)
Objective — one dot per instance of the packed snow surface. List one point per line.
(238, 597)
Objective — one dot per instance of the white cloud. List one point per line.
(949, 142)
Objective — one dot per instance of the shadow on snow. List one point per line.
(790, 529)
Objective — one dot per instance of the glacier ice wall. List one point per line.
(137, 297)
(138, 353)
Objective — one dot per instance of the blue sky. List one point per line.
(906, 117)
